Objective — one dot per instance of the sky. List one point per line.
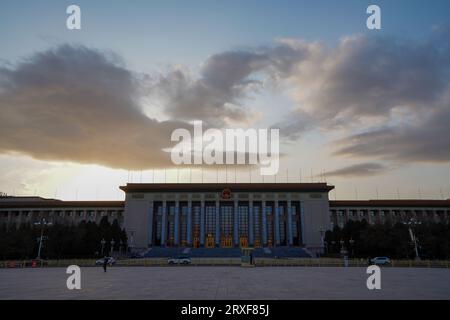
(84, 111)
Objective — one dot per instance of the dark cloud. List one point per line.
(76, 104)
(359, 170)
(426, 141)
(225, 81)
(369, 78)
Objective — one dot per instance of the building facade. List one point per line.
(224, 215)
(227, 215)
(392, 211)
(19, 210)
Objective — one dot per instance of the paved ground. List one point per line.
(225, 283)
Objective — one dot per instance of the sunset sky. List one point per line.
(84, 111)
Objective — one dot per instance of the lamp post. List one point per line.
(103, 244)
(112, 246)
(344, 252)
(351, 242)
(131, 246)
(43, 223)
(322, 232)
(411, 223)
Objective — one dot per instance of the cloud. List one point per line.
(368, 79)
(426, 141)
(359, 170)
(395, 92)
(72, 103)
(217, 96)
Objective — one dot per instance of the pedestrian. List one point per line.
(105, 263)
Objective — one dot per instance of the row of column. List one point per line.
(277, 212)
(50, 215)
(380, 215)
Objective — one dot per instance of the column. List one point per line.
(435, 216)
(177, 223)
(217, 223)
(235, 224)
(277, 223)
(164, 224)
(391, 217)
(289, 224)
(150, 225)
(189, 223)
(202, 222)
(20, 218)
(250, 223)
(302, 222)
(264, 223)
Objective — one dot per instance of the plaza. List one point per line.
(224, 283)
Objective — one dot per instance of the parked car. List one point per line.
(380, 260)
(179, 260)
(111, 261)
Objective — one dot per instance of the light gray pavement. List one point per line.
(225, 283)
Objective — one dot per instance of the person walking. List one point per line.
(105, 263)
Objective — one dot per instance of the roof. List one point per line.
(234, 187)
(390, 203)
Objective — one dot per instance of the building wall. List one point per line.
(18, 216)
(137, 214)
(136, 221)
(317, 221)
(374, 215)
(314, 210)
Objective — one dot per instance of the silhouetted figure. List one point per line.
(105, 263)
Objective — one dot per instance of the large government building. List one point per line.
(224, 215)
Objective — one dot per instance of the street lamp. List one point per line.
(103, 244)
(322, 232)
(351, 242)
(43, 223)
(344, 253)
(112, 246)
(411, 223)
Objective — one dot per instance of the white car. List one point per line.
(380, 260)
(111, 261)
(179, 260)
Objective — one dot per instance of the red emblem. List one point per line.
(226, 194)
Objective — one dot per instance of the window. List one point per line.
(210, 216)
(243, 220)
